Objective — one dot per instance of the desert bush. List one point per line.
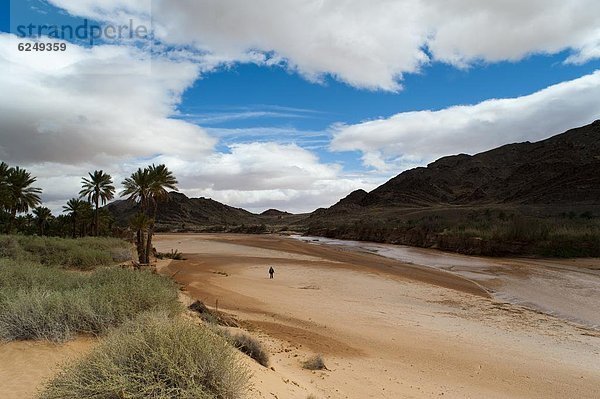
(248, 345)
(213, 317)
(38, 302)
(154, 357)
(173, 254)
(314, 363)
(84, 253)
(490, 232)
(251, 347)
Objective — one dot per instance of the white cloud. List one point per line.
(427, 135)
(258, 176)
(95, 104)
(367, 44)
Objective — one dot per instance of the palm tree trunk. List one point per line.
(150, 233)
(149, 243)
(74, 227)
(11, 220)
(96, 219)
(139, 243)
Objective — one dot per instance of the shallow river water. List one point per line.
(568, 289)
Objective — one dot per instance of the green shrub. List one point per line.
(84, 253)
(38, 302)
(154, 357)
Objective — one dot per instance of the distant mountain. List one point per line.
(509, 200)
(274, 212)
(564, 169)
(181, 213)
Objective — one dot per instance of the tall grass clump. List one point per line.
(38, 302)
(154, 357)
(83, 254)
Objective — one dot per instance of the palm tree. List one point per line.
(98, 188)
(75, 209)
(161, 180)
(148, 187)
(43, 216)
(106, 219)
(137, 187)
(87, 219)
(28, 219)
(20, 195)
(24, 223)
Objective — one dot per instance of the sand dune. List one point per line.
(386, 329)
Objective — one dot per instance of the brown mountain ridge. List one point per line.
(564, 169)
(523, 198)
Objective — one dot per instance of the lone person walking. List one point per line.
(271, 272)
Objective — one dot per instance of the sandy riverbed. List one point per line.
(386, 329)
(566, 288)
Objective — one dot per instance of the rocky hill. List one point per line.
(183, 213)
(564, 169)
(274, 212)
(552, 183)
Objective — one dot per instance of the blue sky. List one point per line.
(255, 97)
(291, 107)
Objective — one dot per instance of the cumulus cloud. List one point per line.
(93, 104)
(261, 175)
(368, 44)
(418, 137)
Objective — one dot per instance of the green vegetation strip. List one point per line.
(38, 302)
(83, 254)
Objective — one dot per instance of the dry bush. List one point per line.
(248, 345)
(314, 363)
(154, 356)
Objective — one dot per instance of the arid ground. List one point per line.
(386, 329)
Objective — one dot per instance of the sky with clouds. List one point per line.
(290, 104)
